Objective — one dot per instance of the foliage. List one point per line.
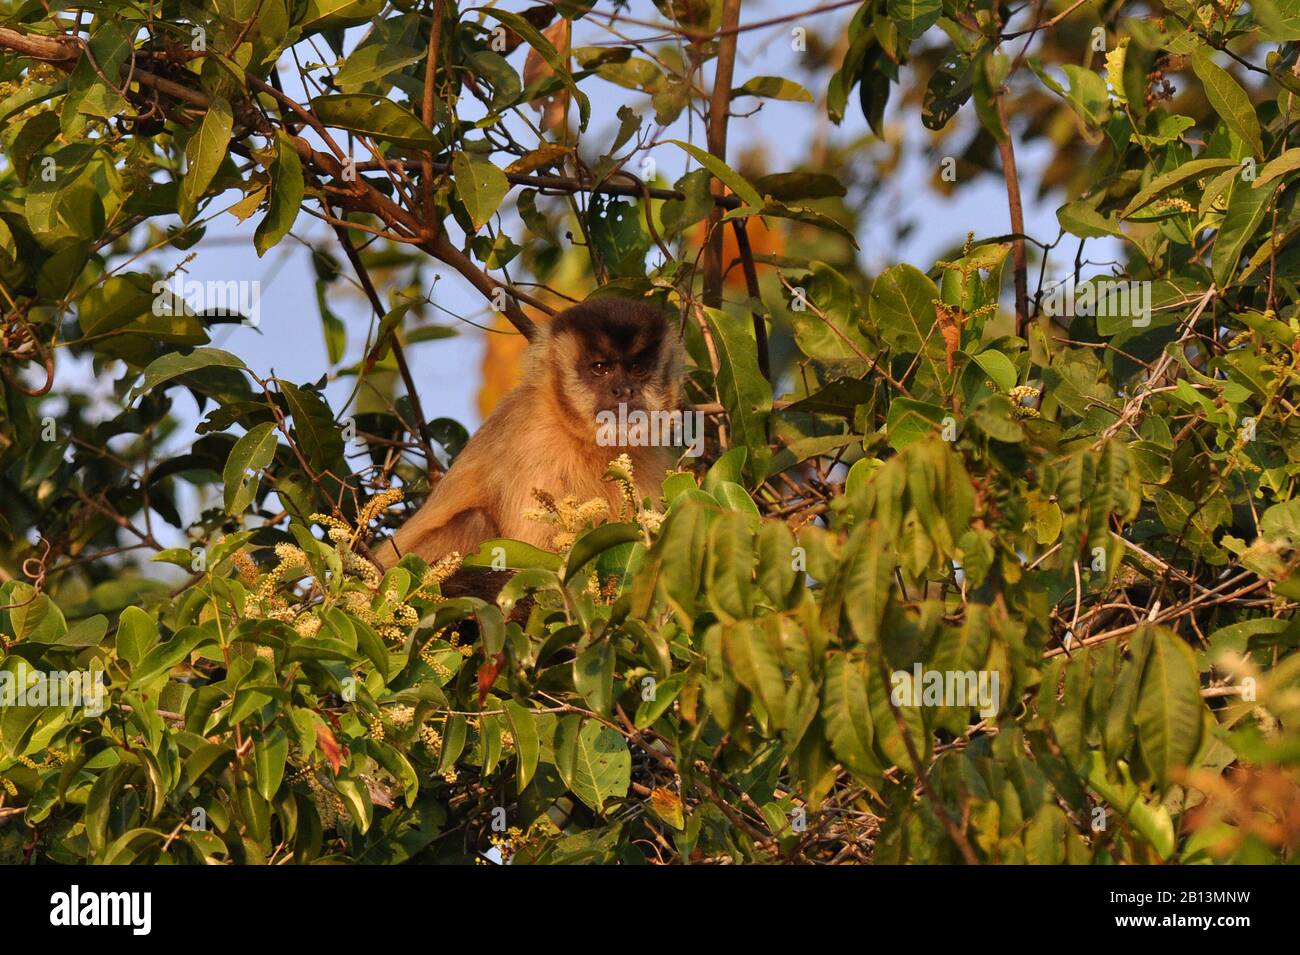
(1084, 501)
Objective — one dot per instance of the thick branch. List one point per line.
(1008, 153)
(36, 47)
(719, 114)
(430, 83)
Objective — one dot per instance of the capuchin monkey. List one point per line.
(544, 435)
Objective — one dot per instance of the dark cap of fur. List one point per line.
(613, 325)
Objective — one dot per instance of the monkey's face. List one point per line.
(612, 353)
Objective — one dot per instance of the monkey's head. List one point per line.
(608, 352)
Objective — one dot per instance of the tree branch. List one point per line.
(719, 114)
(430, 79)
(1008, 153)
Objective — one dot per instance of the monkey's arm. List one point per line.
(432, 534)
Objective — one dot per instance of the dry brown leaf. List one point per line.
(554, 108)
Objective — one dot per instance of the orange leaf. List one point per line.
(950, 320)
(330, 746)
(487, 675)
(667, 805)
(556, 106)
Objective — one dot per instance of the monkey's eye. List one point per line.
(637, 368)
(600, 367)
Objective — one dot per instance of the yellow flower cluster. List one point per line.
(1020, 394)
(650, 521)
(401, 716)
(568, 516)
(620, 470)
(431, 738)
(388, 613)
(266, 601)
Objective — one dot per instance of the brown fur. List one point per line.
(543, 434)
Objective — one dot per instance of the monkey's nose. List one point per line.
(622, 392)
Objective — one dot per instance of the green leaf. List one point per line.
(1247, 207)
(100, 802)
(789, 186)
(128, 848)
(480, 185)
(137, 634)
(173, 364)
(744, 392)
(773, 87)
(847, 714)
(1168, 181)
(87, 632)
(252, 452)
(399, 767)
(512, 555)
(1283, 165)
(567, 728)
(829, 326)
(1280, 19)
(162, 658)
(313, 426)
(374, 61)
(1229, 100)
(357, 800)
(593, 675)
(523, 728)
(204, 153)
(375, 116)
(1087, 95)
(902, 307)
(453, 742)
(734, 180)
(1152, 822)
(1083, 220)
(270, 752)
(1170, 711)
(333, 14)
(33, 616)
(909, 421)
(756, 666)
(913, 17)
(595, 542)
(602, 765)
(948, 89)
(998, 367)
(868, 580)
(287, 190)
(665, 691)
